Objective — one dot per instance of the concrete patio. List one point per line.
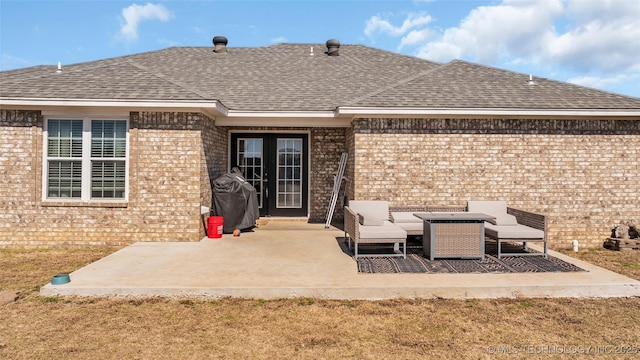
(293, 259)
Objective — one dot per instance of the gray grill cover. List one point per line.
(236, 200)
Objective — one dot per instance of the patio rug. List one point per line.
(416, 262)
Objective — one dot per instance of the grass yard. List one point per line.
(35, 327)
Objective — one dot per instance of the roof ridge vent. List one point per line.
(333, 46)
(220, 44)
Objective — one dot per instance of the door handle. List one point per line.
(265, 180)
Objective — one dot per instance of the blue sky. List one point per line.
(592, 43)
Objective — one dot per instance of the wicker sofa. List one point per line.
(511, 225)
(367, 222)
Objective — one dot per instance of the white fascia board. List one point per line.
(283, 118)
(283, 121)
(211, 107)
(105, 102)
(488, 112)
(280, 114)
(83, 112)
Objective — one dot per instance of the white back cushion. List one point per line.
(368, 220)
(497, 209)
(493, 208)
(373, 208)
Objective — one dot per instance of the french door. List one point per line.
(277, 166)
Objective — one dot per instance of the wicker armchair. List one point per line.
(530, 219)
(519, 226)
(361, 234)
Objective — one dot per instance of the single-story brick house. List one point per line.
(125, 149)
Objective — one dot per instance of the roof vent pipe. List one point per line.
(220, 44)
(332, 47)
(531, 82)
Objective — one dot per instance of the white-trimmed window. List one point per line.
(86, 159)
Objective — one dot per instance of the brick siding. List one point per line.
(582, 173)
(327, 146)
(167, 184)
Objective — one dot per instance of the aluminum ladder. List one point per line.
(337, 181)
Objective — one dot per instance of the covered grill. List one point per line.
(236, 200)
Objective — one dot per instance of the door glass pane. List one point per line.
(289, 182)
(250, 160)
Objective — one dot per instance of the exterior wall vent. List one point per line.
(220, 44)
(333, 46)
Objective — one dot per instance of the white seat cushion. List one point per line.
(405, 217)
(386, 231)
(512, 232)
(411, 227)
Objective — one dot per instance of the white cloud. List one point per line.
(416, 37)
(377, 24)
(279, 40)
(514, 29)
(605, 10)
(604, 82)
(604, 36)
(134, 14)
(599, 35)
(595, 38)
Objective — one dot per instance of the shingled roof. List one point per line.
(461, 84)
(300, 77)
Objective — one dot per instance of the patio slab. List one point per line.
(293, 259)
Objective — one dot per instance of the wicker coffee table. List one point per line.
(453, 235)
